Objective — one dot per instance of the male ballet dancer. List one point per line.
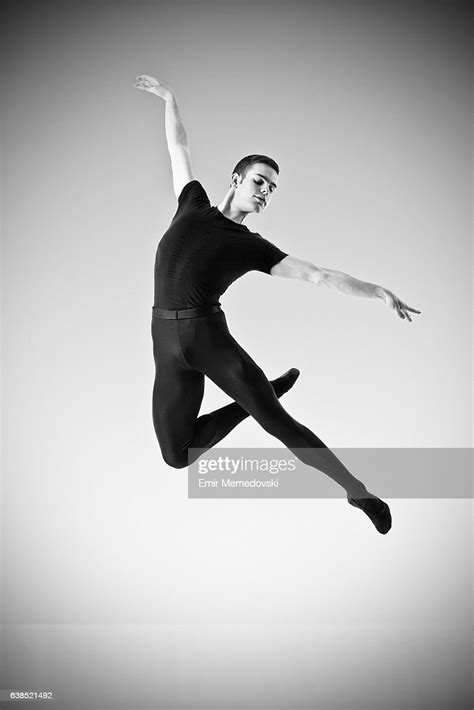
(203, 251)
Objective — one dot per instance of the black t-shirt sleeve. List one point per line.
(193, 196)
(265, 255)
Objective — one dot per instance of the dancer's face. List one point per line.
(255, 190)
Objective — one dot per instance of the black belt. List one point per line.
(185, 313)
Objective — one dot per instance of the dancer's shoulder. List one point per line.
(193, 195)
(265, 254)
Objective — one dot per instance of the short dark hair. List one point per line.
(243, 165)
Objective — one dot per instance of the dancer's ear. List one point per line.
(235, 180)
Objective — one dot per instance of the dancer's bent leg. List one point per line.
(176, 402)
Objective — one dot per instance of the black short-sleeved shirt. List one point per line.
(203, 252)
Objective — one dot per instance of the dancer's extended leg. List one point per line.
(234, 371)
(206, 347)
(218, 355)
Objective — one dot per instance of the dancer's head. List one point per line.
(254, 175)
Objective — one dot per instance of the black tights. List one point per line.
(186, 350)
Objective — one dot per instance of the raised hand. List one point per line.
(153, 85)
(396, 304)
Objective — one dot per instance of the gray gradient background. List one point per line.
(117, 590)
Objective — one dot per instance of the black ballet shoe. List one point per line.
(285, 382)
(377, 510)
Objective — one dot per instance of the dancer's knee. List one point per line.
(173, 451)
(175, 458)
(174, 454)
(278, 423)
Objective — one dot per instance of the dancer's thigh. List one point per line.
(177, 392)
(211, 349)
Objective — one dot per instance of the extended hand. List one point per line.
(153, 85)
(395, 303)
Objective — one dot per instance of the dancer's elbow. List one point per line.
(317, 275)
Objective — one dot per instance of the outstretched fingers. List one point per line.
(403, 309)
(153, 85)
(144, 82)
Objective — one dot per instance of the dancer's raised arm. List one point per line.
(176, 137)
(294, 268)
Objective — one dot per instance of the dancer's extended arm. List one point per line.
(176, 137)
(294, 268)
